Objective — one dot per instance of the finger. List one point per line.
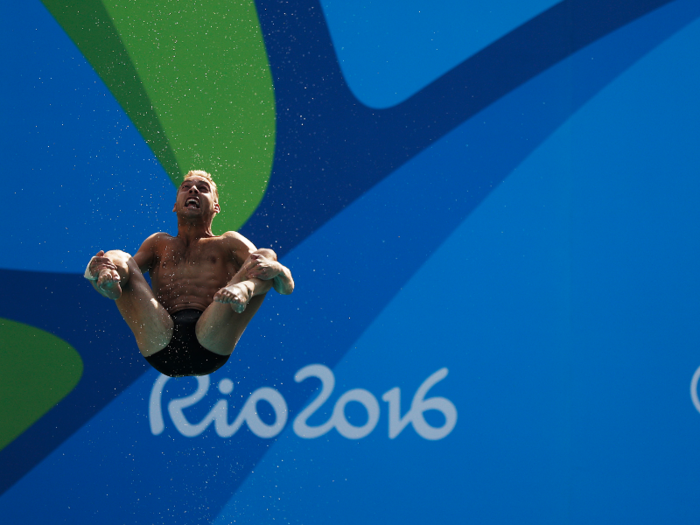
(108, 277)
(101, 268)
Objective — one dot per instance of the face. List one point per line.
(195, 198)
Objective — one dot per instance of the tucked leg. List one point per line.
(223, 322)
(149, 321)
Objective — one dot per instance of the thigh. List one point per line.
(220, 328)
(149, 321)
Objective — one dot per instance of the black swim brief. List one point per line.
(184, 356)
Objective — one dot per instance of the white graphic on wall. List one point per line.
(694, 389)
(219, 414)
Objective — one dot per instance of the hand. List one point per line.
(105, 276)
(102, 269)
(263, 268)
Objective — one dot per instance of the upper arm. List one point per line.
(146, 256)
(240, 247)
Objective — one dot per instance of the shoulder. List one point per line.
(150, 249)
(155, 244)
(239, 247)
(156, 239)
(237, 241)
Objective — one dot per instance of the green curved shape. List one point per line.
(194, 78)
(89, 25)
(37, 370)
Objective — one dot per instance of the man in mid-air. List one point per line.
(206, 287)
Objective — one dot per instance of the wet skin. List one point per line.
(223, 276)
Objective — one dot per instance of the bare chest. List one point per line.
(205, 263)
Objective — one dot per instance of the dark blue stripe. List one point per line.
(331, 148)
(66, 305)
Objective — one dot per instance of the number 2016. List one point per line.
(249, 414)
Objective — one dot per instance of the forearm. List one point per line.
(263, 264)
(283, 282)
(99, 290)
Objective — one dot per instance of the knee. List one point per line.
(124, 262)
(267, 252)
(117, 254)
(118, 258)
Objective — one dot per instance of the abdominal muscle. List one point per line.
(184, 283)
(186, 297)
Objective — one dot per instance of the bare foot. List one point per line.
(108, 282)
(237, 295)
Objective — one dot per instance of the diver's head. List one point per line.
(197, 196)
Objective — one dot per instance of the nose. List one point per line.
(193, 189)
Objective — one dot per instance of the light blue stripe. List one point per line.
(389, 50)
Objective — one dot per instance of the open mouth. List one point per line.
(192, 203)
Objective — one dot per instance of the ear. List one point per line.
(174, 206)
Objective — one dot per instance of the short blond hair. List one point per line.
(208, 177)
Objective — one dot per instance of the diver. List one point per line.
(206, 287)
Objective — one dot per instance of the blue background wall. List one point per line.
(507, 197)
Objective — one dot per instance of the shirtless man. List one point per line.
(206, 288)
